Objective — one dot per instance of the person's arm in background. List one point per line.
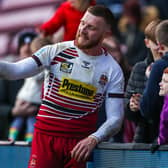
(53, 24)
(24, 108)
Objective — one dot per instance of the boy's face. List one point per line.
(164, 85)
(154, 48)
(150, 44)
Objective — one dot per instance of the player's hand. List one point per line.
(83, 149)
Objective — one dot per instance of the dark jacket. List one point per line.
(151, 103)
(136, 82)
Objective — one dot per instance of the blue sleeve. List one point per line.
(151, 99)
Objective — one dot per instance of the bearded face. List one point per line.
(84, 41)
(90, 31)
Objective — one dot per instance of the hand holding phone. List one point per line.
(135, 101)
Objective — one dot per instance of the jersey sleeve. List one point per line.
(44, 56)
(116, 85)
(19, 70)
(28, 67)
(114, 107)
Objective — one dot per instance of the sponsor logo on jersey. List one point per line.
(85, 64)
(66, 67)
(77, 90)
(103, 80)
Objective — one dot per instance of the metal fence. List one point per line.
(106, 155)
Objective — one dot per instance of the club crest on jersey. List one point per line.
(85, 64)
(66, 67)
(103, 80)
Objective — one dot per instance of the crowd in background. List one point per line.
(133, 44)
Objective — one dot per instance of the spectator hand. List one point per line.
(31, 109)
(134, 102)
(83, 149)
(23, 108)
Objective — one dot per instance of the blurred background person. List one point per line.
(161, 5)
(131, 35)
(149, 13)
(68, 16)
(114, 5)
(28, 101)
(113, 46)
(136, 86)
(9, 89)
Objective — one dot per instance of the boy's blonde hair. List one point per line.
(162, 33)
(150, 30)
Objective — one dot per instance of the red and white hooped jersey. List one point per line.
(74, 88)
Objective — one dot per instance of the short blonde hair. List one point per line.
(150, 30)
(162, 33)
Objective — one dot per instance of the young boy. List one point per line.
(136, 86)
(151, 103)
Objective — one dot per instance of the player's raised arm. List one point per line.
(18, 70)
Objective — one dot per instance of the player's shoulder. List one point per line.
(110, 60)
(60, 46)
(64, 44)
(53, 49)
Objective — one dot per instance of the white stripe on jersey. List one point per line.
(39, 115)
(63, 112)
(57, 114)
